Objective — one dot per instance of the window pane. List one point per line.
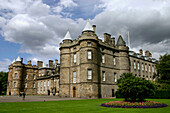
(75, 58)
(115, 77)
(114, 61)
(89, 74)
(74, 77)
(103, 59)
(103, 76)
(89, 55)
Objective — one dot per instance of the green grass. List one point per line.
(77, 106)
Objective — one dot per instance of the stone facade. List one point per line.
(89, 67)
(33, 79)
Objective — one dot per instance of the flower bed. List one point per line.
(123, 104)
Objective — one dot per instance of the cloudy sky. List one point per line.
(33, 29)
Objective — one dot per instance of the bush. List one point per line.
(135, 89)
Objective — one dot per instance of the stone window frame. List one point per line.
(146, 67)
(88, 70)
(114, 60)
(74, 58)
(89, 51)
(134, 64)
(103, 58)
(74, 76)
(103, 76)
(138, 65)
(26, 84)
(89, 44)
(34, 76)
(142, 67)
(149, 68)
(33, 85)
(115, 77)
(15, 75)
(15, 84)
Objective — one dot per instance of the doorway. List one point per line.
(113, 94)
(74, 92)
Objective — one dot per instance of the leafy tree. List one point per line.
(133, 88)
(163, 69)
(3, 81)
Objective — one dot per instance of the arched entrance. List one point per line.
(74, 92)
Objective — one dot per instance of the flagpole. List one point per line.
(128, 40)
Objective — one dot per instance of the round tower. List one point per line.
(17, 85)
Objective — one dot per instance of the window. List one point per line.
(103, 76)
(74, 57)
(143, 75)
(138, 66)
(114, 61)
(103, 59)
(39, 74)
(115, 77)
(15, 84)
(89, 74)
(134, 64)
(74, 77)
(74, 49)
(153, 69)
(15, 75)
(89, 54)
(149, 68)
(33, 85)
(38, 84)
(25, 85)
(44, 84)
(89, 43)
(142, 67)
(26, 76)
(48, 83)
(41, 84)
(34, 76)
(145, 67)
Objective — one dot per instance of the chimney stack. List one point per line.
(94, 28)
(141, 51)
(50, 64)
(56, 61)
(39, 64)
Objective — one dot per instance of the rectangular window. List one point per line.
(103, 76)
(41, 84)
(142, 67)
(89, 74)
(138, 66)
(25, 85)
(134, 65)
(153, 69)
(26, 76)
(115, 77)
(145, 67)
(103, 60)
(114, 61)
(44, 84)
(48, 83)
(89, 54)
(89, 43)
(74, 57)
(38, 84)
(74, 77)
(39, 74)
(34, 76)
(149, 68)
(33, 85)
(15, 84)
(15, 75)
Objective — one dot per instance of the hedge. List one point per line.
(160, 94)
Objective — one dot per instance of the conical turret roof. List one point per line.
(120, 41)
(18, 59)
(67, 36)
(88, 26)
(13, 61)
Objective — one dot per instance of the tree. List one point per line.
(3, 81)
(163, 69)
(135, 89)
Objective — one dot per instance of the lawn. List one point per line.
(77, 106)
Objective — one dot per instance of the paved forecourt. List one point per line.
(34, 98)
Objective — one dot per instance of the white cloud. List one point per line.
(4, 65)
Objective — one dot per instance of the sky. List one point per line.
(33, 29)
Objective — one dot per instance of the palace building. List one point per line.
(89, 67)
